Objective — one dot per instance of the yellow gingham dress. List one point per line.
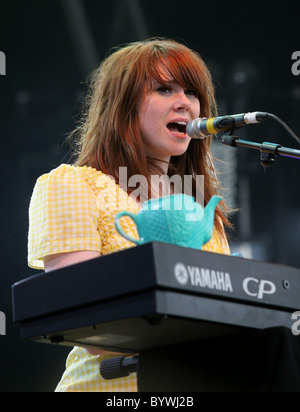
(71, 209)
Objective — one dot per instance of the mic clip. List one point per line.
(267, 159)
(228, 139)
(268, 151)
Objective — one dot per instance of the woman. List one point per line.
(140, 99)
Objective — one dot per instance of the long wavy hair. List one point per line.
(109, 136)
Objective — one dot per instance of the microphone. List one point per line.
(202, 127)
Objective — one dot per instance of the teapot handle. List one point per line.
(120, 229)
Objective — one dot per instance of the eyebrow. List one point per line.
(169, 82)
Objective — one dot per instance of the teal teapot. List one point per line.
(175, 219)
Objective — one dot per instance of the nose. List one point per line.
(181, 101)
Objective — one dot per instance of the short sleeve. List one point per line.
(63, 216)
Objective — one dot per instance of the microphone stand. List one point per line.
(118, 367)
(269, 151)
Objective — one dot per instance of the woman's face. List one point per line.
(163, 115)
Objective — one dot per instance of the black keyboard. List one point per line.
(154, 295)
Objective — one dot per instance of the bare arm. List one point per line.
(60, 260)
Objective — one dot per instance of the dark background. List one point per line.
(51, 46)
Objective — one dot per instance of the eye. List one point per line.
(191, 93)
(164, 89)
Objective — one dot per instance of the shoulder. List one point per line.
(81, 182)
(67, 175)
(67, 172)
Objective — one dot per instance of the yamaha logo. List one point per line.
(181, 274)
(202, 277)
(220, 280)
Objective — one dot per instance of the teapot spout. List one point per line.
(209, 217)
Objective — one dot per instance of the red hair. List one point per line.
(109, 135)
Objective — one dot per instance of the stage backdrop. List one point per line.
(49, 47)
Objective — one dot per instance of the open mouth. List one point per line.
(177, 127)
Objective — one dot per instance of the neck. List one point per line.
(160, 186)
(158, 166)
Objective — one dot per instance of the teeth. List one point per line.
(178, 127)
